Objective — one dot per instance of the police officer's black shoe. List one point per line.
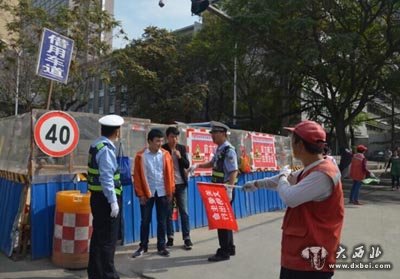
(219, 256)
(232, 250)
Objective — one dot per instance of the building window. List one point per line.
(111, 99)
(111, 103)
(90, 105)
(101, 102)
(123, 107)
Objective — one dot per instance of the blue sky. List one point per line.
(135, 15)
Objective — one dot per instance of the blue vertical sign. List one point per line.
(54, 56)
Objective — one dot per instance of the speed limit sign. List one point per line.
(56, 133)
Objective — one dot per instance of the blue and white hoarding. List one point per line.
(54, 56)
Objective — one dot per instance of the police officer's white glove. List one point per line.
(192, 168)
(114, 210)
(229, 192)
(250, 186)
(285, 171)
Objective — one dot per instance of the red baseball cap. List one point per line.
(361, 148)
(309, 131)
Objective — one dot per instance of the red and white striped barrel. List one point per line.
(72, 231)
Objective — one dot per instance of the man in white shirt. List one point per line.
(154, 183)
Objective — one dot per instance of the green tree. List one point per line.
(340, 52)
(84, 23)
(154, 70)
(212, 53)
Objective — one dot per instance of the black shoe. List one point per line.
(164, 253)
(139, 252)
(170, 242)
(219, 256)
(232, 250)
(188, 244)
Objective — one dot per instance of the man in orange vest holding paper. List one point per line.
(313, 220)
(358, 172)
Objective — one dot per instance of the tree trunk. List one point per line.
(341, 134)
(352, 138)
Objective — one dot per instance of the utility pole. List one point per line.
(235, 86)
(215, 11)
(17, 81)
(392, 142)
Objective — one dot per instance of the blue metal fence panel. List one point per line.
(10, 198)
(43, 208)
(43, 199)
(128, 219)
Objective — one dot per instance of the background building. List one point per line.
(4, 19)
(52, 6)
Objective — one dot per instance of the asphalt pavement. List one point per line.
(376, 223)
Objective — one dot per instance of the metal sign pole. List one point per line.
(49, 97)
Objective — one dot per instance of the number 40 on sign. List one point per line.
(56, 133)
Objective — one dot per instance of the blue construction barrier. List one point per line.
(245, 204)
(43, 196)
(10, 193)
(43, 205)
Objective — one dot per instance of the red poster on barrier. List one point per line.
(263, 147)
(200, 148)
(218, 208)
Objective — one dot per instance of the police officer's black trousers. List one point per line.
(225, 237)
(104, 238)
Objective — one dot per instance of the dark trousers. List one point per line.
(297, 274)
(162, 210)
(225, 237)
(395, 180)
(181, 202)
(104, 238)
(355, 190)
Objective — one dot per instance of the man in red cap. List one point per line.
(358, 172)
(314, 217)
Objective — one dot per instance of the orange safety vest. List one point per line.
(357, 171)
(314, 224)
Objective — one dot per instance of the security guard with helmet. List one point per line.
(224, 170)
(105, 200)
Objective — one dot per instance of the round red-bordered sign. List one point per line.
(56, 133)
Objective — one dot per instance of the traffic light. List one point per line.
(199, 6)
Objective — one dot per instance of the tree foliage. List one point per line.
(84, 22)
(154, 70)
(341, 53)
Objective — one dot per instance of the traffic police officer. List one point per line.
(224, 170)
(105, 200)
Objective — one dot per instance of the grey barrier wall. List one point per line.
(133, 137)
(15, 143)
